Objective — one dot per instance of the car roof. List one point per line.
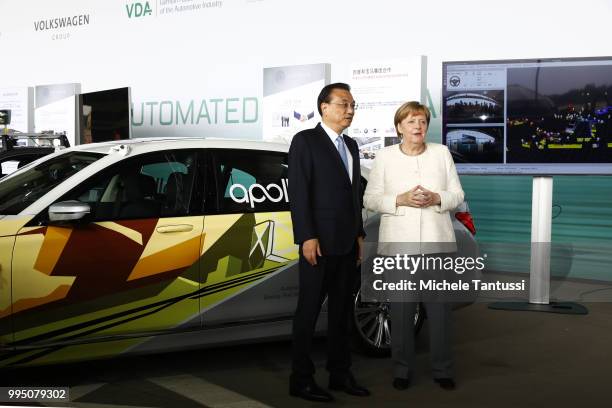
(162, 143)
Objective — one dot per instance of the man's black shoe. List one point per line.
(310, 392)
(348, 385)
(446, 383)
(401, 383)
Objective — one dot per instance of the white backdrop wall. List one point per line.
(179, 52)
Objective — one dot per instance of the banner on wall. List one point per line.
(20, 101)
(47, 94)
(290, 99)
(56, 107)
(379, 88)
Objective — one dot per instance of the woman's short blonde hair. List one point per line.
(410, 108)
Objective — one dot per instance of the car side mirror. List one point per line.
(68, 211)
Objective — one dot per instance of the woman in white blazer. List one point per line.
(414, 185)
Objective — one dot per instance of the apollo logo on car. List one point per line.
(272, 192)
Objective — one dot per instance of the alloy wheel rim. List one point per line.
(373, 322)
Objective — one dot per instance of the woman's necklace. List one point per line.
(424, 146)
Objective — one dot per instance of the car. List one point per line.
(150, 245)
(14, 155)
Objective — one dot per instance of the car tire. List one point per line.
(371, 325)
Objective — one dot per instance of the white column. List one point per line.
(541, 225)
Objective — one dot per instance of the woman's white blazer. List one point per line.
(393, 173)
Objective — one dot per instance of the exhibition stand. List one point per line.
(539, 275)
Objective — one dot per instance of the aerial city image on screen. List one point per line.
(528, 111)
(559, 114)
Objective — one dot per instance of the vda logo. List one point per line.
(138, 10)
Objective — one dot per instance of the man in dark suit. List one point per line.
(325, 197)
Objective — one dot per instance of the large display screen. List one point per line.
(545, 116)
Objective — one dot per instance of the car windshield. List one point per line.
(23, 189)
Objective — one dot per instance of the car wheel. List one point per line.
(371, 325)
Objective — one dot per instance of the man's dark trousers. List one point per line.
(333, 276)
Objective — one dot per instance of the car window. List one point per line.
(12, 164)
(238, 176)
(147, 186)
(251, 181)
(21, 190)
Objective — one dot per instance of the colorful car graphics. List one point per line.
(76, 286)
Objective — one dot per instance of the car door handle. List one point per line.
(165, 229)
